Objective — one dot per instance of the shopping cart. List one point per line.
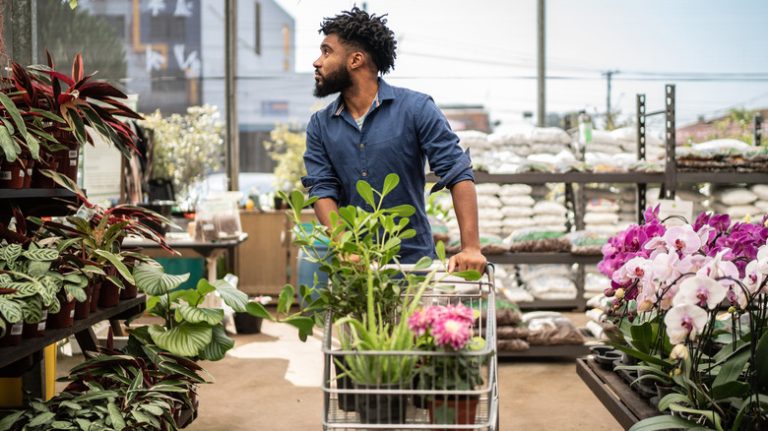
(420, 404)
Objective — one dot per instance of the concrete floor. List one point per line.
(271, 382)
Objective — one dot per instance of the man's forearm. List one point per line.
(323, 209)
(465, 207)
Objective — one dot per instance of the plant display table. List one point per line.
(626, 406)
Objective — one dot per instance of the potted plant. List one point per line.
(51, 110)
(114, 390)
(456, 366)
(94, 237)
(689, 305)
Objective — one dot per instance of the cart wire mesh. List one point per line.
(423, 403)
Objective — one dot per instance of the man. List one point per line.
(374, 129)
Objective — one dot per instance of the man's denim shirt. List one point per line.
(403, 129)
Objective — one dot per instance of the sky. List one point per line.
(483, 52)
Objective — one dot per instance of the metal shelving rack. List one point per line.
(26, 359)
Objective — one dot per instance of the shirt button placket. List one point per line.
(363, 160)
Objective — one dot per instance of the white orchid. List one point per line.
(701, 291)
(635, 269)
(682, 239)
(684, 321)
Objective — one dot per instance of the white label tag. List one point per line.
(17, 328)
(72, 162)
(41, 326)
(21, 173)
(676, 208)
(29, 172)
(5, 175)
(72, 313)
(72, 154)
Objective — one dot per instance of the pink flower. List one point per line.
(453, 332)
(646, 299)
(683, 239)
(701, 291)
(459, 312)
(684, 321)
(420, 321)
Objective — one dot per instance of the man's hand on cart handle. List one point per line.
(466, 260)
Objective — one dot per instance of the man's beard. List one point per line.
(334, 82)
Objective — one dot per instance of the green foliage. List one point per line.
(115, 391)
(286, 149)
(186, 147)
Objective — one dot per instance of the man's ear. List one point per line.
(356, 60)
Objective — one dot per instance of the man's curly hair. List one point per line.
(367, 32)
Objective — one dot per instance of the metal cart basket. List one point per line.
(421, 404)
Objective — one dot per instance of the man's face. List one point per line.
(331, 74)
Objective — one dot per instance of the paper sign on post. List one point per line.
(676, 209)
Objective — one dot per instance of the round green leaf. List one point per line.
(366, 192)
(211, 316)
(186, 339)
(231, 296)
(217, 348)
(152, 279)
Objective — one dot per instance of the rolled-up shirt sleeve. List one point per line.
(442, 148)
(321, 180)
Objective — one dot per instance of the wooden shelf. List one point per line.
(125, 309)
(558, 351)
(543, 258)
(553, 304)
(626, 406)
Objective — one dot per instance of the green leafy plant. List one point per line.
(286, 148)
(117, 391)
(188, 328)
(186, 147)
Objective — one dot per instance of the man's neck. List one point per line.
(359, 97)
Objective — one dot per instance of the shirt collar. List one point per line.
(385, 93)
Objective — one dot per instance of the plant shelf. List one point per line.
(626, 406)
(125, 309)
(558, 351)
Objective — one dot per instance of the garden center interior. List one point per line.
(168, 260)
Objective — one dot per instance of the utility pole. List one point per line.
(608, 115)
(230, 91)
(542, 108)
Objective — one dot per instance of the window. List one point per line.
(257, 28)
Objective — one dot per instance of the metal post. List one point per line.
(230, 90)
(608, 116)
(758, 129)
(24, 31)
(670, 168)
(541, 120)
(640, 124)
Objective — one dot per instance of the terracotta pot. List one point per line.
(464, 409)
(110, 294)
(83, 309)
(12, 335)
(68, 162)
(130, 291)
(40, 181)
(64, 318)
(12, 174)
(29, 173)
(32, 330)
(96, 295)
